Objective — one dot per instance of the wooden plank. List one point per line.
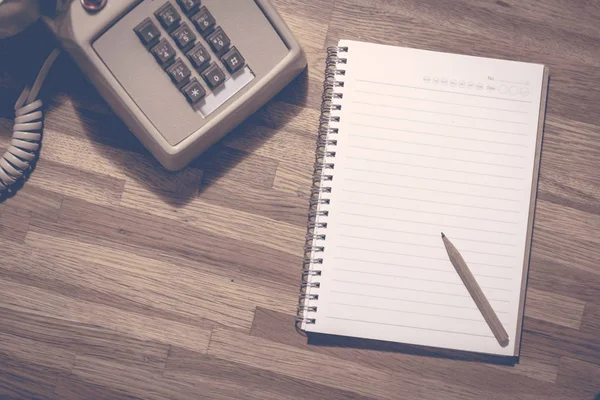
(162, 238)
(14, 224)
(36, 201)
(331, 371)
(20, 379)
(226, 164)
(66, 180)
(559, 341)
(185, 294)
(34, 352)
(584, 377)
(72, 388)
(236, 381)
(554, 308)
(559, 277)
(149, 385)
(70, 337)
(24, 298)
(243, 226)
(274, 204)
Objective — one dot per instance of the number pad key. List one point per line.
(188, 6)
(163, 52)
(213, 76)
(168, 16)
(218, 40)
(179, 72)
(233, 60)
(198, 56)
(183, 36)
(147, 32)
(203, 21)
(193, 91)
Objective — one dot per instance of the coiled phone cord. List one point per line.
(27, 131)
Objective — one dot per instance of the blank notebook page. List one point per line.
(428, 142)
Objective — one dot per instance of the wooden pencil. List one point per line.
(476, 293)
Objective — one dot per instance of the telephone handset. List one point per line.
(180, 73)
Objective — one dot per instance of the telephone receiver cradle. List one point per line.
(142, 89)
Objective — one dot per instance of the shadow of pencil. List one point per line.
(379, 345)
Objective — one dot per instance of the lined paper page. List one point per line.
(428, 142)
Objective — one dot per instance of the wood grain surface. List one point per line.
(119, 280)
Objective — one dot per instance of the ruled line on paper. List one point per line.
(437, 270)
(428, 211)
(407, 326)
(442, 91)
(441, 102)
(440, 124)
(425, 144)
(437, 112)
(428, 156)
(423, 245)
(413, 278)
(418, 256)
(433, 179)
(434, 134)
(450, 271)
(421, 200)
(409, 301)
(431, 190)
(427, 223)
(466, 296)
(430, 167)
(423, 234)
(408, 312)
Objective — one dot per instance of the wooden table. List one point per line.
(119, 280)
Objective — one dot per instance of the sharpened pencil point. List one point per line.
(443, 236)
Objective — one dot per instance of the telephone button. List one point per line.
(199, 56)
(168, 16)
(188, 5)
(193, 91)
(203, 20)
(233, 60)
(147, 31)
(218, 40)
(163, 52)
(179, 72)
(183, 36)
(213, 76)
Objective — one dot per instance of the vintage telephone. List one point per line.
(180, 73)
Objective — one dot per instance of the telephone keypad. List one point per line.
(203, 21)
(147, 31)
(163, 52)
(233, 60)
(179, 72)
(168, 16)
(218, 40)
(199, 56)
(183, 36)
(213, 76)
(188, 6)
(195, 48)
(193, 91)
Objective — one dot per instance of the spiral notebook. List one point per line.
(413, 143)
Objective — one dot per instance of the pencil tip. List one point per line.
(443, 236)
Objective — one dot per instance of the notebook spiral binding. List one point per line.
(317, 218)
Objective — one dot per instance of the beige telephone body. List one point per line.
(180, 73)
